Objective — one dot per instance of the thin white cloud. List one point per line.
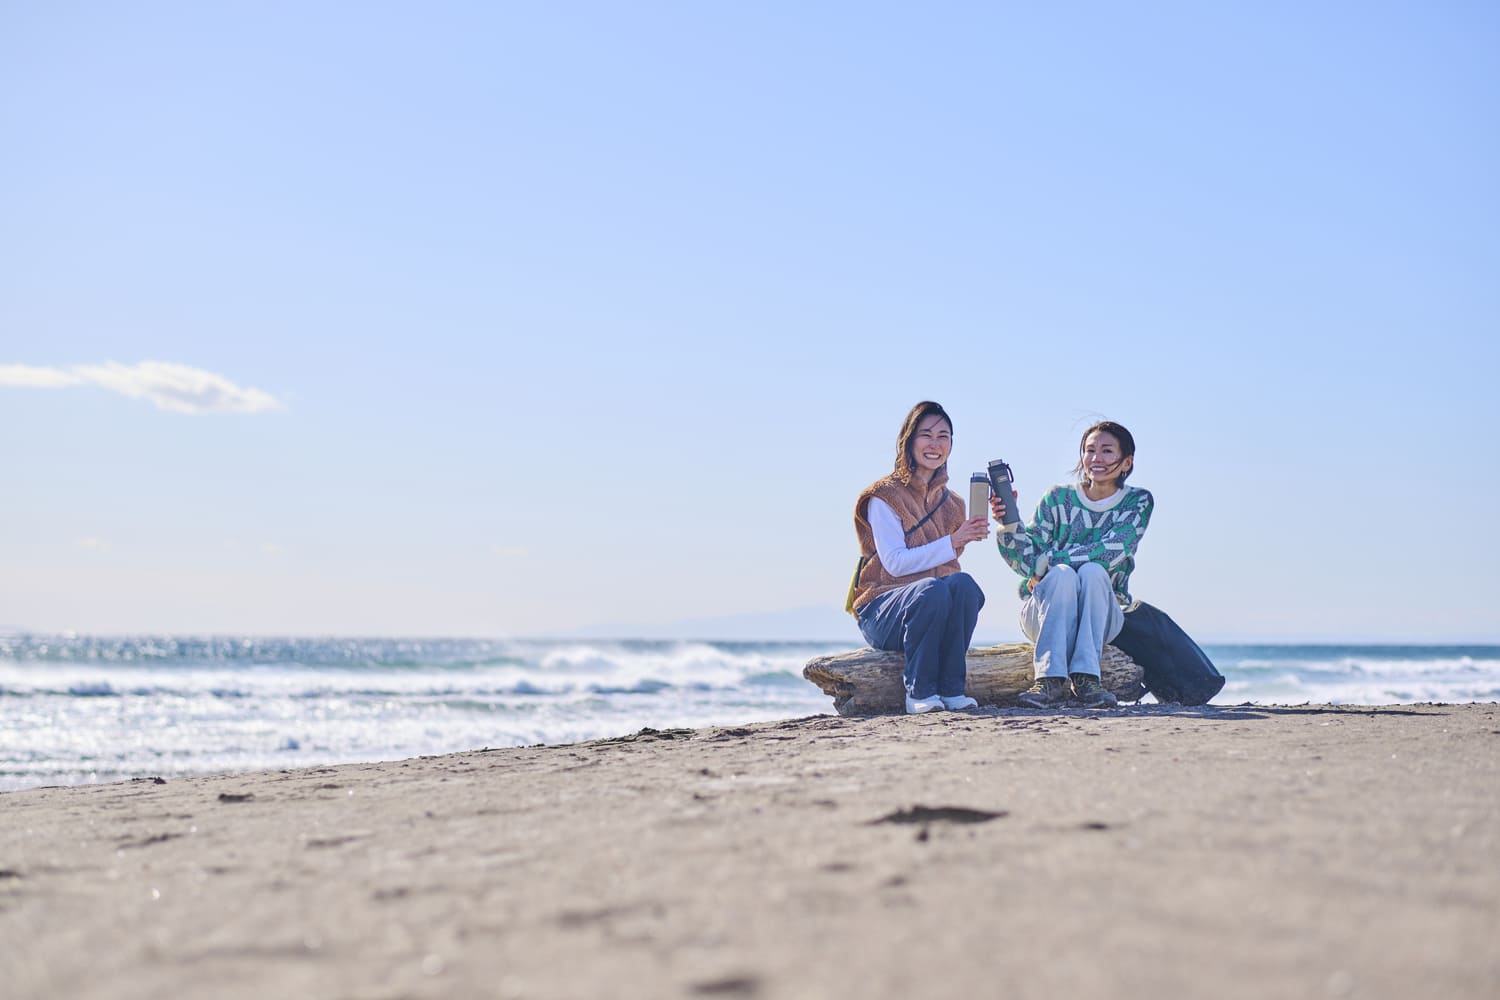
(28, 377)
(173, 387)
(92, 544)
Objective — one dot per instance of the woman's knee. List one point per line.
(1059, 586)
(1061, 576)
(1093, 575)
(965, 589)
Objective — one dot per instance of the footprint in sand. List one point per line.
(940, 814)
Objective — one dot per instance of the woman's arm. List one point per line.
(1026, 550)
(890, 542)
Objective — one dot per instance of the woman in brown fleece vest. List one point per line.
(909, 594)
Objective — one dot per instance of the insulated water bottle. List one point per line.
(1000, 482)
(979, 496)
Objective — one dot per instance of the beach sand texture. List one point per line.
(1153, 851)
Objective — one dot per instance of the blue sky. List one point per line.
(498, 319)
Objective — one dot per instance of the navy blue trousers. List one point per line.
(932, 622)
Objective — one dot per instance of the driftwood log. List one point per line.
(868, 681)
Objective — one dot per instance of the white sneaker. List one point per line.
(959, 702)
(916, 706)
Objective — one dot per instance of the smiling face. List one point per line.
(924, 442)
(931, 443)
(1103, 460)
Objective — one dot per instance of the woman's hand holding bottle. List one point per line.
(971, 530)
(997, 506)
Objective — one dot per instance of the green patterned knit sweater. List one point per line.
(1069, 528)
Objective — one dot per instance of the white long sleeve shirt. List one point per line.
(890, 542)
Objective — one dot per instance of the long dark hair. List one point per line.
(1120, 434)
(919, 413)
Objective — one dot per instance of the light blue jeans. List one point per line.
(932, 621)
(1070, 616)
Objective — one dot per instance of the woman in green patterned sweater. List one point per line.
(1076, 556)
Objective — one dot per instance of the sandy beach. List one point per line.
(1247, 851)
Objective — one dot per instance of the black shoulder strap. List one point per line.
(942, 500)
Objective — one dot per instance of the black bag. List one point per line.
(1176, 669)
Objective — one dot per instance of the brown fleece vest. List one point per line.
(911, 505)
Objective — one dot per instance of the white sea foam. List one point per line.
(81, 710)
(1362, 676)
(89, 709)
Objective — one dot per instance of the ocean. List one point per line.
(79, 709)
